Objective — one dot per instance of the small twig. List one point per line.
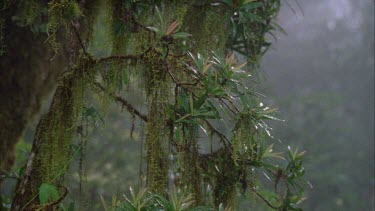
(58, 201)
(131, 108)
(290, 7)
(123, 57)
(141, 26)
(133, 122)
(233, 105)
(218, 133)
(176, 81)
(178, 56)
(264, 199)
(7, 175)
(173, 78)
(226, 105)
(125, 104)
(48, 206)
(119, 57)
(189, 70)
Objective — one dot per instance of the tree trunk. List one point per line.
(50, 153)
(27, 75)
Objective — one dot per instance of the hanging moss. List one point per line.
(211, 34)
(60, 13)
(120, 28)
(157, 158)
(50, 154)
(188, 152)
(158, 95)
(244, 141)
(223, 177)
(31, 14)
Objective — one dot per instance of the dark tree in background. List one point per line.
(194, 65)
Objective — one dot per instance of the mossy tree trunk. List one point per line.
(50, 153)
(156, 139)
(33, 69)
(27, 75)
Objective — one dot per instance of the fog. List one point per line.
(321, 77)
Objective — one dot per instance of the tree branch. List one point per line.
(218, 133)
(264, 199)
(134, 57)
(124, 103)
(58, 201)
(119, 57)
(226, 105)
(130, 108)
(50, 205)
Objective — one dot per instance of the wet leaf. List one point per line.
(48, 193)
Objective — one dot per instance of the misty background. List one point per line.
(320, 75)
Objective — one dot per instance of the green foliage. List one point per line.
(48, 193)
(60, 13)
(138, 201)
(93, 115)
(71, 207)
(144, 200)
(71, 11)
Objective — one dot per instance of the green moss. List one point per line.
(222, 174)
(72, 11)
(63, 13)
(55, 132)
(211, 32)
(188, 154)
(244, 140)
(158, 95)
(31, 14)
(59, 126)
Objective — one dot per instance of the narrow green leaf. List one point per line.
(152, 28)
(200, 101)
(181, 35)
(250, 6)
(253, 16)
